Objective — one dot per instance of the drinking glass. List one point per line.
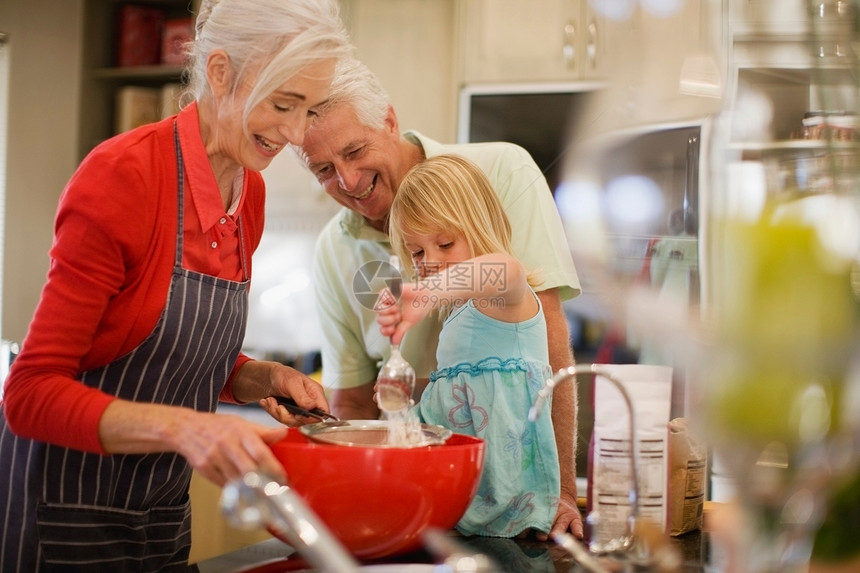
(784, 244)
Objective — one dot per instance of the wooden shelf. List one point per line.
(138, 72)
(793, 145)
(100, 80)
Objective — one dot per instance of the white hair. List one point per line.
(274, 39)
(355, 85)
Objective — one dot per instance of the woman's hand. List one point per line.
(225, 447)
(258, 380)
(306, 392)
(220, 447)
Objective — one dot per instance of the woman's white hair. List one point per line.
(270, 39)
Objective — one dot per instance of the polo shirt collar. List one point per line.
(431, 147)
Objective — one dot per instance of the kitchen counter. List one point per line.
(514, 555)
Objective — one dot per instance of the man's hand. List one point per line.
(567, 518)
(355, 403)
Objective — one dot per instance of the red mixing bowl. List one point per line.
(378, 501)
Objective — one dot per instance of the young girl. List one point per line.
(492, 355)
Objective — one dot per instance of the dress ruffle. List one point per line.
(490, 364)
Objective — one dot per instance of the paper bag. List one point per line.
(609, 484)
(688, 456)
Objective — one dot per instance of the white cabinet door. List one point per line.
(545, 41)
(521, 40)
(608, 28)
(750, 17)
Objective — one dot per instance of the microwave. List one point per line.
(536, 116)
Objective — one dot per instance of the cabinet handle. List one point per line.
(568, 48)
(591, 45)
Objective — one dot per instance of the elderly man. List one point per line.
(356, 151)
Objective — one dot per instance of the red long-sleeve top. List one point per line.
(112, 258)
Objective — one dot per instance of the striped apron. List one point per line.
(66, 510)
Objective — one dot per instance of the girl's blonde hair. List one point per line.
(450, 194)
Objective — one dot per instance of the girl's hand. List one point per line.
(387, 312)
(395, 317)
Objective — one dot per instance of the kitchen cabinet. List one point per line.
(411, 46)
(101, 77)
(211, 533)
(414, 62)
(767, 16)
(797, 73)
(563, 40)
(516, 41)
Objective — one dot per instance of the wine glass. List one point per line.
(772, 253)
(780, 370)
(786, 228)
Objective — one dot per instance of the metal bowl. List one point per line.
(373, 433)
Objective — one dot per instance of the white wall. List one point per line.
(44, 45)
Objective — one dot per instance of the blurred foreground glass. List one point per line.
(776, 235)
(781, 383)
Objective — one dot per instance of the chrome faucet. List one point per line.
(625, 542)
(259, 501)
(256, 500)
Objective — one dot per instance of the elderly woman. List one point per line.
(137, 334)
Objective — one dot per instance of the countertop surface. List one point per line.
(513, 556)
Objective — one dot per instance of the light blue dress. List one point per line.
(489, 374)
